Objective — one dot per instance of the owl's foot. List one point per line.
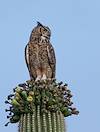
(44, 77)
(38, 78)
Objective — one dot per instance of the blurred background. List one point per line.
(75, 27)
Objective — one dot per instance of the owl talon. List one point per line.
(44, 77)
(38, 78)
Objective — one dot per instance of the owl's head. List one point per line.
(43, 31)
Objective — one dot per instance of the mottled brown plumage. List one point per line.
(40, 55)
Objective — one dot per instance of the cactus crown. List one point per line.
(49, 95)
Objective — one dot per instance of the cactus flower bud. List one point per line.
(31, 93)
(29, 98)
(14, 102)
(24, 95)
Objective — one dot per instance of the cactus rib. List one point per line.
(33, 120)
(58, 122)
(62, 122)
(21, 124)
(54, 122)
(49, 122)
(28, 122)
(24, 122)
(38, 119)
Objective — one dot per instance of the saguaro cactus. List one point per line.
(40, 106)
(42, 122)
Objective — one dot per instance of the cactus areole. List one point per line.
(40, 106)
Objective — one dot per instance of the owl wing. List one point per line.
(27, 59)
(52, 59)
(27, 56)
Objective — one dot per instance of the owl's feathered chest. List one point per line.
(38, 53)
(38, 48)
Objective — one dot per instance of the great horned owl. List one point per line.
(39, 54)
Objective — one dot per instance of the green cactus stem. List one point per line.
(46, 122)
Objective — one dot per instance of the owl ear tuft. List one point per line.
(39, 24)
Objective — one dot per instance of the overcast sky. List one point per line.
(75, 26)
